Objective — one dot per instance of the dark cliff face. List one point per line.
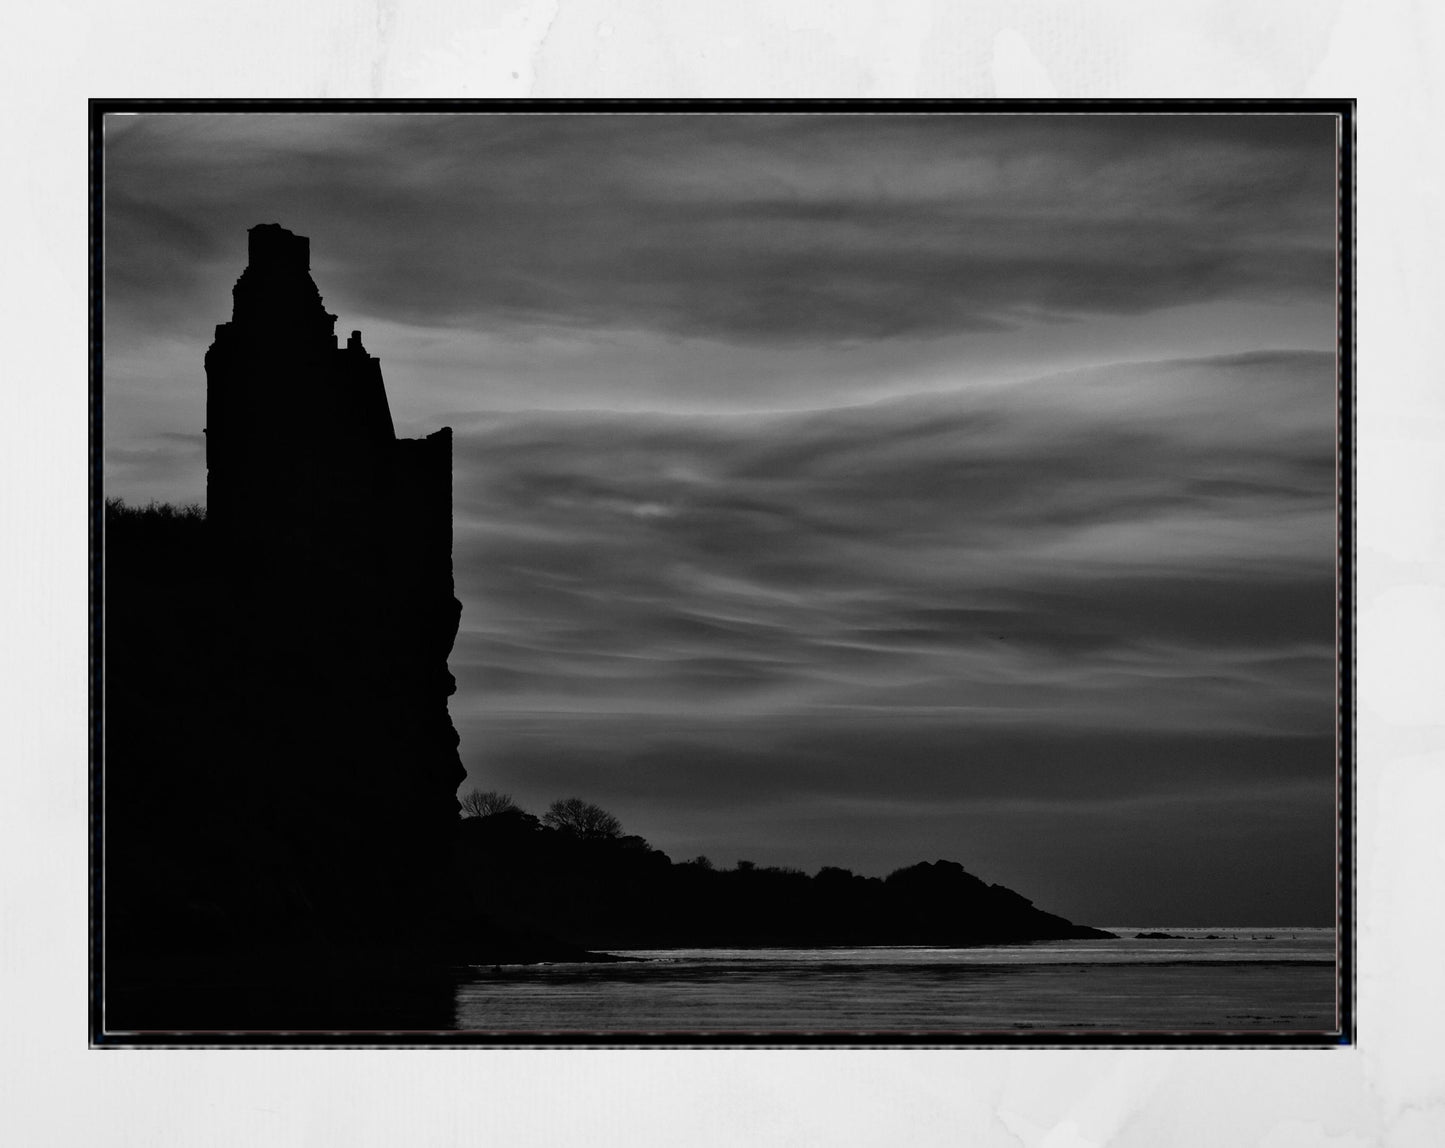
(279, 750)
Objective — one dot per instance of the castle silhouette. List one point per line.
(335, 540)
(280, 764)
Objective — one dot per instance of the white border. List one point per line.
(1388, 1090)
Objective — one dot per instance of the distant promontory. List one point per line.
(607, 890)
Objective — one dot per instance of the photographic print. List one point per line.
(732, 573)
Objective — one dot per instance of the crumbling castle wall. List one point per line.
(332, 541)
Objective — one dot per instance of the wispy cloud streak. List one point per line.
(1143, 547)
(745, 229)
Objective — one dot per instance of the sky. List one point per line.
(832, 489)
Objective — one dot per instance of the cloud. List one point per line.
(167, 467)
(745, 229)
(1150, 547)
(939, 760)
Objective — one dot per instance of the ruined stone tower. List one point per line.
(290, 414)
(332, 540)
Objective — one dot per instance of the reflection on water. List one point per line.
(1238, 981)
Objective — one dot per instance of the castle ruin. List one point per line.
(332, 539)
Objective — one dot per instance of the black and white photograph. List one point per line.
(793, 574)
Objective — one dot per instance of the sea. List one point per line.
(1208, 980)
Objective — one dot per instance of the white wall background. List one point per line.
(1390, 1090)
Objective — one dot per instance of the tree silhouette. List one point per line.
(479, 803)
(582, 819)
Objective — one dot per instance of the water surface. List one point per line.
(1278, 980)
